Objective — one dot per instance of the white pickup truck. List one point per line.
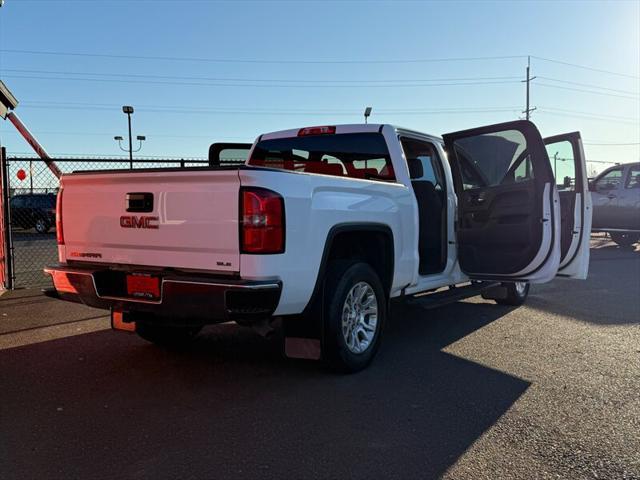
(321, 229)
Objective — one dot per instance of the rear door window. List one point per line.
(353, 155)
(563, 164)
(633, 181)
(47, 201)
(494, 159)
(426, 154)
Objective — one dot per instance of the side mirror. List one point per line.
(592, 186)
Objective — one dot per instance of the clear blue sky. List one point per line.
(183, 105)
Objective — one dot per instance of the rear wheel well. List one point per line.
(371, 246)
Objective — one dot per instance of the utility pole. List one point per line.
(528, 110)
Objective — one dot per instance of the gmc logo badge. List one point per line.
(131, 221)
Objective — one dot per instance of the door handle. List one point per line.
(611, 196)
(476, 199)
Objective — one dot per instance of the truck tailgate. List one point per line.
(192, 224)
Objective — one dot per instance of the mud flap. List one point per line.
(303, 334)
(122, 321)
(304, 348)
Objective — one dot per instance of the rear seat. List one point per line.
(324, 168)
(364, 172)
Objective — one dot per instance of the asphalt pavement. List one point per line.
(468, 391)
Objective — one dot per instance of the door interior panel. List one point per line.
(502, 174)
(497, 227)
(567, 209)
(569, 180)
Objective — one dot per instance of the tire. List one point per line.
(517, 293)
(167, 336)
(624, 239)
(41, 225)
(352, 325)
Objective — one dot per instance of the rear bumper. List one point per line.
(184, 298)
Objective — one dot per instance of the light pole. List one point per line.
(367, 114)
(129, 110)
(140, 138)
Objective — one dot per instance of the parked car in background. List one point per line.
(36, 210)
(616, 203)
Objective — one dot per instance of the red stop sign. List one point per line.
(21, 174)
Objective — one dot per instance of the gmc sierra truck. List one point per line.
(321, 229)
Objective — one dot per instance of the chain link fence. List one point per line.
(32, 196)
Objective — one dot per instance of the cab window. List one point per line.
(354, 155)
(609, 181)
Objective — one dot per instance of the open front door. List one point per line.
(570, 170)
(508, 217)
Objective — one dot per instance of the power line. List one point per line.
(612, 144)
(261, 61)
(593, 114)
(131, 75)
(281, 61)
(589, 85)
(586, 91)
(232, 1)
(587, 117)
(269, 109)
(206, 84)
(584, 67)
(351, 113)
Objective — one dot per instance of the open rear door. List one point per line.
(508, 219)
(570, 170)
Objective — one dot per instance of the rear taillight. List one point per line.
(261, 221)
(59, 233)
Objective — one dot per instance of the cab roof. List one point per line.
(350, 128)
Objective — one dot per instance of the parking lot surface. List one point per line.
(469, 391)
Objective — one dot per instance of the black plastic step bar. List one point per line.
(452, 294)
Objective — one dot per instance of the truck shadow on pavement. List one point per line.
(609, 296)
(109, 405)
